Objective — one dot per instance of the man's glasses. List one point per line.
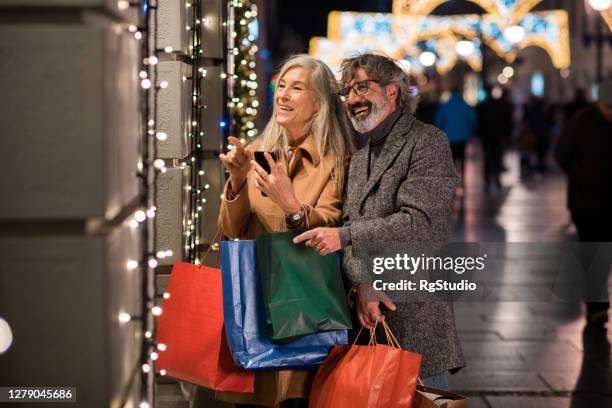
(360, 88)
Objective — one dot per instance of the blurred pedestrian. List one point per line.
(580, 101)
(539, 118)
(494, 129)
(428, 105)
(584, 152)
(458, 120)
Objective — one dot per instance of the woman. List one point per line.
(304, 188)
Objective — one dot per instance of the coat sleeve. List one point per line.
(235, 211)
(326, 212)
(423, 205)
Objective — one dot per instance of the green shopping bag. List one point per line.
(303, 291)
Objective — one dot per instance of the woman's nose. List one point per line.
(282, 93)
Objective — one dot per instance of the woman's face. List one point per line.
(295, 101)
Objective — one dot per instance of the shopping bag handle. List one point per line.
(214, 240)
(391, 340)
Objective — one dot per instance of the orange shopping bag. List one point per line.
(191, 327)
(373, 376)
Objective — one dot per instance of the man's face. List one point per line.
(368, 110)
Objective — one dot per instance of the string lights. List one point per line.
(143, 218)
(192, 226)
(242, 76)
(507, 12)
(148, 167)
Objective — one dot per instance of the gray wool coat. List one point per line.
(407, 198)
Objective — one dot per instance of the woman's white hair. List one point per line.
(329, 125)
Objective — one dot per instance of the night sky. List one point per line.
(297, 21)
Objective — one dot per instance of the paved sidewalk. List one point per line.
(526, 354)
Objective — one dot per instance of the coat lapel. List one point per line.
(360, 166)
(393, 145)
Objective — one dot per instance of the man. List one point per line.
(400, 189)
(495, 124)
(584, 152)
(458, 120)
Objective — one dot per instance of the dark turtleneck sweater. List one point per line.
(376, 138)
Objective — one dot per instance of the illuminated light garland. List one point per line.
(506, 12)
(191, 227)
(242, 76)
(143, 218)
(350, 32)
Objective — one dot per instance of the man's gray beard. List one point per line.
(372, 120)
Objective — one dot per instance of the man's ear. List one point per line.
(392, 91)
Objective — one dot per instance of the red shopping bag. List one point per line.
(191, 327)
(373, 376)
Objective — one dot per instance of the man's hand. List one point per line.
(368, 305)
(323, 240)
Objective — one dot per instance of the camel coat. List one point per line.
(248, 214)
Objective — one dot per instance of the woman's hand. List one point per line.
(277, 185)
(238, 162)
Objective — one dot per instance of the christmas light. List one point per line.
(124, 317)
(140, 216)
(600, 5)
(514, 34)
(427, 58)
(6, 336)
(464, 48)
(159, 163)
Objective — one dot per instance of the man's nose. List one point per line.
(352, 98)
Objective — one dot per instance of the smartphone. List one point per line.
(261, 160)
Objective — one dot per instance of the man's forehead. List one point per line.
(360, 75)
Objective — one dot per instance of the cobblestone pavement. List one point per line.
(526, 354)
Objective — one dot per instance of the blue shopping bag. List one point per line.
(245, 319)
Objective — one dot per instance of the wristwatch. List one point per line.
(295, 217)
